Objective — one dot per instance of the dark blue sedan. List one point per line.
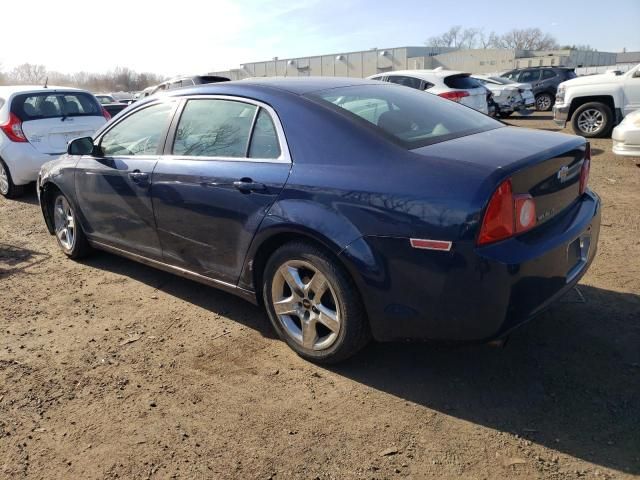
(350, 209)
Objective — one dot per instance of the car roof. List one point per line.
(295, 85)
(424, 74)
(14, 89)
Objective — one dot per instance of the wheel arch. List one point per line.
(47, 191)
(579, 101)
(269, 240)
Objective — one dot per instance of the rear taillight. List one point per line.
(456, 96)
(105, 114)
(13, 129)
(584, 171)
(507, 215)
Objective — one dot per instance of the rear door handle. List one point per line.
(248, 185)
(141, 178)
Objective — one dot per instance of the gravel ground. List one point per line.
(110, 369)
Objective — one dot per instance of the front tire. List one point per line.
(593, 119)
(68, 231)
(7, 188)
(544, 102)
(313, 304)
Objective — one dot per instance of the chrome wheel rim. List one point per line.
(65, 224)
(590, 121)
(305, 304)
(4, 180)
(544, 102)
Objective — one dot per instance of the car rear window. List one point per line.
(408, 117)
(37, 106)
(461, 81)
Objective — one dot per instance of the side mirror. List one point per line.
(80, 146)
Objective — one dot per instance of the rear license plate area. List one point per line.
(577, 255)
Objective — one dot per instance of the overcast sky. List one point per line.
(190, 36)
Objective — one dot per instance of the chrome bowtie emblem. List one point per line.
(563, 173)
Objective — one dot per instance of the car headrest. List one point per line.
(394, 121)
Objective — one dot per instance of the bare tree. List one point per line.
(120, 79)
(28, 73)
(468, 37)
(528, 39)
(519, 39)
(450, 38)
(488, 41)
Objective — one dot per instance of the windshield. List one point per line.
(409, 117)
(36, 106)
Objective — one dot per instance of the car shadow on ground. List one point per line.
(29, 196)
(567, 380)
(211, 299)
(14, 259)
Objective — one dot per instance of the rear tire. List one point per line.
(593, 119)
(7, 188)
(320, 314)
(504, 115)
(544, 102)
(68, 232)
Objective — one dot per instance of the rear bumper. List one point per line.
(626, 140)
(561, 114)
(24, 161)
(475, 294)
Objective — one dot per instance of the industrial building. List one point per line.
(369, 62)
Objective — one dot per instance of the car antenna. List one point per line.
(46, 80)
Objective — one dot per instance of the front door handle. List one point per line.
(248, 185)
(141, 178)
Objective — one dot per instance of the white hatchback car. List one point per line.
(35, 125)
(449, 84)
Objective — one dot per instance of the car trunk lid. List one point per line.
(52, 135)
(550, 175)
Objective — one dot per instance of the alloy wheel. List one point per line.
(590, 121)
(4, 180)
(543, 102)
(65, 224)
(305, 304)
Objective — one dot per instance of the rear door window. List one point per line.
(264, 139)
(38, 106)
(461, 82)
(547, 74)
(214, 128)
(530, 76)
(411, 82)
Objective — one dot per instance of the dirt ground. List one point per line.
(110, 369)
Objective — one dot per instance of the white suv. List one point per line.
(449, 84)
(35, 125)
